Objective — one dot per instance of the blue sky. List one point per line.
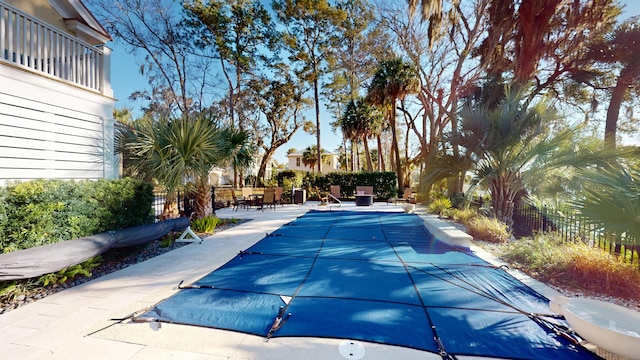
(126, 78)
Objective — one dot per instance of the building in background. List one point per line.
(329, 162)
(56, 101)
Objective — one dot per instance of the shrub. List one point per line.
(462, 216)
(10, 290)
(60, 277)
(168, 240)
(439, 206)
(574, 265)
(205, 225)
(47, 211)
(488, 229)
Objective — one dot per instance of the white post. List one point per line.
(105, 71)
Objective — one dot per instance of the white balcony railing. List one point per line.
(29, 43)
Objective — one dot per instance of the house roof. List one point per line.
(79, 18)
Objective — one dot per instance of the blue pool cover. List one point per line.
(372, 276)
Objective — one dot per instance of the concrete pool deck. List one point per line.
(77, 323)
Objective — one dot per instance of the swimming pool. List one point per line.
(372, 276)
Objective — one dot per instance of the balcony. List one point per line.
(30, 44)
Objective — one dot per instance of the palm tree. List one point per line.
(239, 150)
(509, 146)
(361, 120)
(350, 129)
(393, 80)
(173, 151)
(611, 200)
(309, 157)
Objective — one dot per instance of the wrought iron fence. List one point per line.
(185, 201)
(573, 227)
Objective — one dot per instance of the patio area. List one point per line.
(78, 323)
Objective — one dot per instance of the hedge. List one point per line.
(39, 212)
(384, 183)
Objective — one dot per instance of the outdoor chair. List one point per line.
(324, 200)
(406, 197)
(335, 192)
(364, 190)
(269, 198)
(237, 202)
(278, 195)
(364, 195)
(247, 193)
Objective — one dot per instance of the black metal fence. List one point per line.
(185, 202)
(573, 227)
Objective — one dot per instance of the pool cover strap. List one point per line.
(441, 349)
(376, 277)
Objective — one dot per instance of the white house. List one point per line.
(56, 100)
(329, 162)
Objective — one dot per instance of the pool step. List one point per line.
(445, 231)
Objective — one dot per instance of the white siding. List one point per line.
(49, 129)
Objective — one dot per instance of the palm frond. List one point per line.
(612, 200)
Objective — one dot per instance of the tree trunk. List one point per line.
(367, 154)
(170, 207)
(202, 206)
(503, 189)
(381, 164)
(396, 152)
(316, 97)
(263, 164)
(613, 112)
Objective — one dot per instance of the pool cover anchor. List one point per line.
(244, 252)
(181, 287)
(133, 317)
(442, 351)
(278, 322)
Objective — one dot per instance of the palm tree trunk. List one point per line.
(503, 189)
(316, 97)
(381, 164)
(396, 152)
(367, 154)
(170, 207)
(202, 206)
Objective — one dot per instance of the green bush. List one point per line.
(41, 212)
(462, 216)
(205, 225)
(439, 206)
(384, 183)
(60, 277)
(488, 229)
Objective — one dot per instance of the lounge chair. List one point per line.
(406, 197)
(324, 199)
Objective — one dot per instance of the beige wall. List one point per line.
(328, 165)
(41, 9)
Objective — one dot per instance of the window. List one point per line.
(298, 162)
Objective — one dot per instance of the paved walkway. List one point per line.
(77, 323)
